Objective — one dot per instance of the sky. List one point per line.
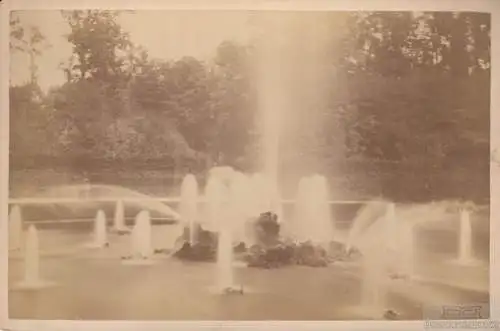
(164, 34)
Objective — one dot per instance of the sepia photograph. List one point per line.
(249, 165)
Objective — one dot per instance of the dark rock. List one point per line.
(391, 315)
(240, 248)
(232, 290)
(196, 252)
(267, 229)
(161, 251)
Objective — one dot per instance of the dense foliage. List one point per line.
(400, 94)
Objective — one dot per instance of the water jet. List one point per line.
(141, 249)
(32, 279)
(15, 228)
(100, 232)
(119, 219)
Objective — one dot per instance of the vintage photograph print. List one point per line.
(249, 165)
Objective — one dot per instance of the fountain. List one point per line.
(100, 236)
(189, 205)
(119, 220)
(225, 259)
(465, 251)
(141, 247)
(15, 228)
(224, 202)
(370, 233)
(364, 219)
(32, 279)
(465, 239)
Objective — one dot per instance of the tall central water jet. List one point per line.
(272, 99)
(189, 205)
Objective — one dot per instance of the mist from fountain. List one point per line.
(15, 228)
(240, 199)
(188, 207)
(214, 198)
(312, 218)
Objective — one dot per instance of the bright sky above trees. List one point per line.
(164, 34)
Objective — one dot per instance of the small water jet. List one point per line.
(364, 219)
(189, 205)
(141, 247)
(465, 239)
(15, 228)
(100, 239)
(32, 279)
(227, 215)
(225, 259)
(119, 219)
(465, 251)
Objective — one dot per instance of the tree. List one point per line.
(100, 46)
(28, 40)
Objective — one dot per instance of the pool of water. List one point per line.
(95, 285)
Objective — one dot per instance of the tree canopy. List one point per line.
(396, 93)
